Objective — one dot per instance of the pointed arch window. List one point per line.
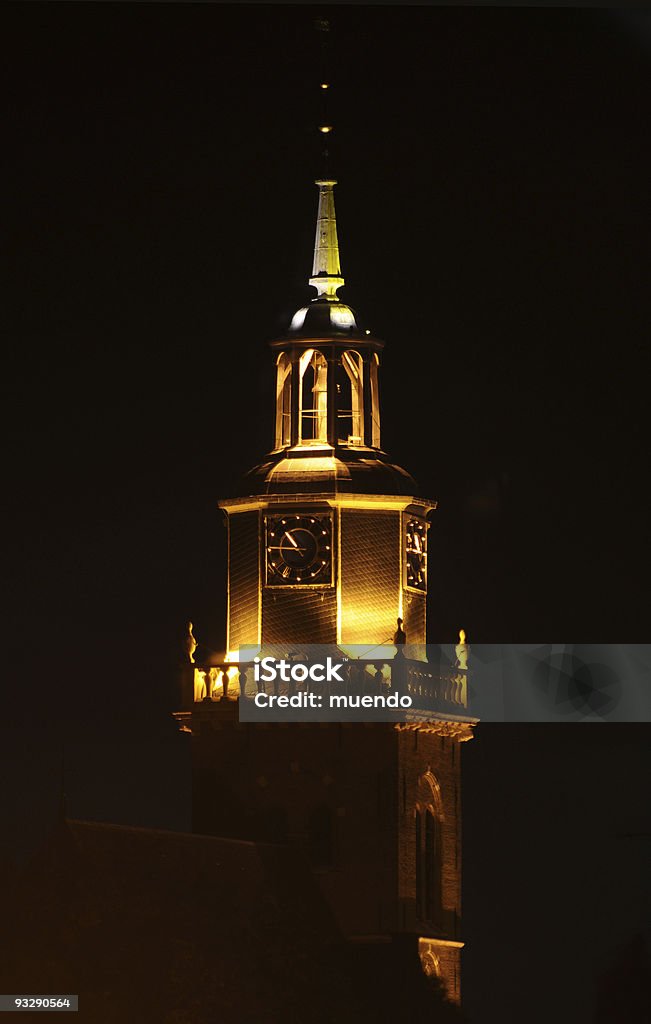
(432, 866)
(419, 863)
(350, 410)
(313, 396)
(283, 401)
(375, 401)
(429, 849)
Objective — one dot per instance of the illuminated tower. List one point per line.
(327, 540)
(327, 543)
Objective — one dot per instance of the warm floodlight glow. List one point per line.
(462, 651)
(325, 128)
(341, 316)
(298, 319)
(313, 398)
(349, 385)
(325, 85)
(375, 403)
(199, 684)
(326, 270)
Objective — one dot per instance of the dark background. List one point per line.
(493, 212)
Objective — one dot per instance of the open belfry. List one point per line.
(327, 544)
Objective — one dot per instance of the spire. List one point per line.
(326, 271)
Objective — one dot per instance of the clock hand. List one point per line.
(291, 539)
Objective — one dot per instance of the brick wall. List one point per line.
(360, 786)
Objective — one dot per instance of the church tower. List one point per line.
(327, 539)
(327, 543)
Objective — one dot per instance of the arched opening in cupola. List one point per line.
(349, 381)
(283, 401)
(375, 401)
(313, 398)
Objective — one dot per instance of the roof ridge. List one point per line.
(116, 826)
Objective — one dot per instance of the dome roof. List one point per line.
(323, 317)
(319, 473)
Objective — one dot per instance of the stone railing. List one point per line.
(428, 689)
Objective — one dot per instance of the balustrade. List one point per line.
(428, 689)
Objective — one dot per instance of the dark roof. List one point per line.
(363, 473)
(324, 317)
(151, 925)
(156, 927)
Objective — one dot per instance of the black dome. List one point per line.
(323, 317)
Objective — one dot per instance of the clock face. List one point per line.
(298, 549)
(416, 554)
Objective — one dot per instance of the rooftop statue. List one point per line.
(462, 651)
(190, 644)
(399, 637)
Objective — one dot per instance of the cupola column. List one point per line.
(296, 385)
(332, 397)
(368, 403)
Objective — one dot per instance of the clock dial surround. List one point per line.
(298, 550)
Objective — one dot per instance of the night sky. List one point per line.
(493, 222)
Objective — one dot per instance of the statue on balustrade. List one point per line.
(190, 644)
(462, 651)
(400, 639)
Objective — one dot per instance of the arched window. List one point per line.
(429, 849)
(350, 417)
(313, 396)
(283, 401)
(432, 866)
(375, 402)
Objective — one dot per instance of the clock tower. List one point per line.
(327, 544)
(327, 538)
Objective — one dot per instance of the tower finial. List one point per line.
(322, 26)
(326, 271)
